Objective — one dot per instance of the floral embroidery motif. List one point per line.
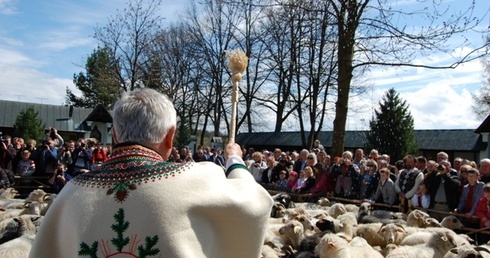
(120, 241)
(128, 167)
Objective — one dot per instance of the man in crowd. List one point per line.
(138, 204)
(485, 170)
(408, 181)
(443, 188)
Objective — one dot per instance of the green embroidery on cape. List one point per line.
(121, 241)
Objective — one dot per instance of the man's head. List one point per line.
(25, 155)
(147, 117)
(421, 163)
(486, 190)
(441, 156)
(485, 167)
(457, 163)
(409, 161)
(359, 155)
(472, 175)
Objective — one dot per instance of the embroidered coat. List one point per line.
(137, 205)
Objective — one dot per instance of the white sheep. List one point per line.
(292, 233)
(17, 248)
(416, 218)
(352, 208)
(451, 222)
(466, 251)
(12, 225)
(37, 195)
(25, 226)
(333, 246)
(336, 210)
(377, 234)
(422, 237)
(8, 193)
(11, 213)
(437, 246)
(269, 252)
(323, 201)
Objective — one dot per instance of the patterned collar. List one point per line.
(129, 166)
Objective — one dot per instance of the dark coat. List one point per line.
(451, 184)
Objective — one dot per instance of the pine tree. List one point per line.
(392, 130)
(183, 136)
(28, 125)
(99, 84)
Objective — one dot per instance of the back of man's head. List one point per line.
(144, 116)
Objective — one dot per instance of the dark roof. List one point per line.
(52, 115)
(456, 140)
(353, 139)
(100, 114)
(484, 127)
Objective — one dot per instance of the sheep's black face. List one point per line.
(325, 225)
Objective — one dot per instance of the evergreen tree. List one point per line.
(99, 84)
(392, 130)
(28, 125)
(183, 136)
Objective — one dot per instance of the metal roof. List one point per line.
(455, 140)
(52, 115)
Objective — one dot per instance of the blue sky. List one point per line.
(43, 43)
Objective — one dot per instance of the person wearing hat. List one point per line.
(292, 180)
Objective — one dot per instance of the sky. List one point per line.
(43, 43)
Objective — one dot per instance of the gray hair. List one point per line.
(486, 160)
(144, 116)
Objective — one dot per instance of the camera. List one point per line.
(59, 172)
(440, 167)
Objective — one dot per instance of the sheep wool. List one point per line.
(138, 205)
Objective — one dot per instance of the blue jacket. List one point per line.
(477, 194)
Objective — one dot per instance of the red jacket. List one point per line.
(98, 155)
(483, 209)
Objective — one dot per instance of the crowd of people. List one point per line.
(457, 186)
(51, 158)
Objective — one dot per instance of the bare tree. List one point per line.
(482, 98)
(180, 76)
(213, 30)
(129, 36)
(376, 33)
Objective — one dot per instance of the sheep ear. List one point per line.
(332, 244)
(454, 251)
(18, 219)
(35, 218)
(341, 225)
(297, 230)
(416, 214)
(401, 230)
(444, 238)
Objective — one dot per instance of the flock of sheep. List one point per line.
(295, 230)
(336, 230)
(20, 219)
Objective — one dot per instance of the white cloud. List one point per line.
(7, 7)
(29, 85)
